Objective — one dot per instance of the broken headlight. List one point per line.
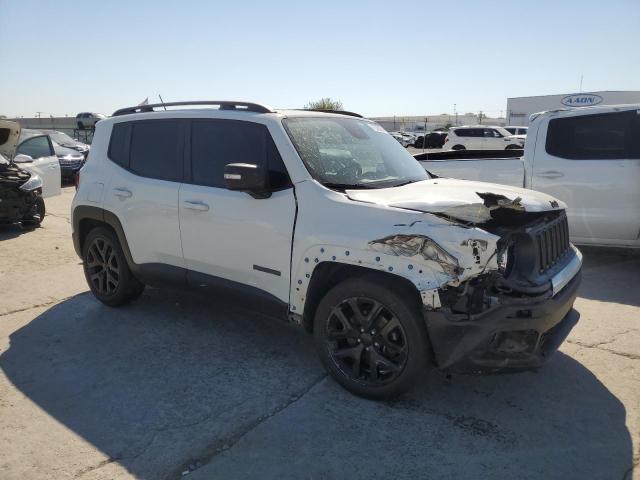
(33, 183)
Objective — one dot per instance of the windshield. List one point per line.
(352, 153)
(62, 138)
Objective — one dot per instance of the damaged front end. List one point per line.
(505, 299)
(18, 196)
(513, 317)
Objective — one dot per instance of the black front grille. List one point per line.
(553, 243)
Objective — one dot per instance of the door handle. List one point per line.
(122, 192)
(550, 174)
(197, 206)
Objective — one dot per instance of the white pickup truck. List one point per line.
(587, 157)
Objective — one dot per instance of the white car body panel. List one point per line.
(48, 169)
(602, 195)
(226, 234)
(148, 211)
(507, 171)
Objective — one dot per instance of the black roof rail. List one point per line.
(222, 105)
(341, 112)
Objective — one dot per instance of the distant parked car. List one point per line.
(482, 137)
(88, 120)
(70, 160)
(66, 141)
(434, 140)
(402, 140)
(32, 151)
(516, 130)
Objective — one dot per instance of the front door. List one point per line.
(229, 235)
(40, 158)
(592, 162)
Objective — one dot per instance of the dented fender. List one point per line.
(429, 252)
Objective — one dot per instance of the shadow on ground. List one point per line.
(611, 275)
(173, 379)
(13, 230)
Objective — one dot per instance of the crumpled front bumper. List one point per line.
(510, 337)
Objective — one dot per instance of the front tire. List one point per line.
(106, 269)
(370, 338)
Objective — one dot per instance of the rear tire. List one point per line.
(458, 147)
(371, 339)
(106, 269)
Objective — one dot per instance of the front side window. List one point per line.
(216, 143)
(36, 147)
(491, 133)
(591, 137)
(352, 153)
(156, 149)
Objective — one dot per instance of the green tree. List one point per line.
(324, 104)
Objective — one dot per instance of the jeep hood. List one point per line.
(9, 134)
(459, 199)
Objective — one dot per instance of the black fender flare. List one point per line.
(100, 215)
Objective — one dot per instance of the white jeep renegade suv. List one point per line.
(325, 219)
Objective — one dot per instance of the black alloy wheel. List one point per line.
(106, 269)
(366, 341)
(371, 337)
(103, 268)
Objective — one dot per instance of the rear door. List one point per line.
(592, 162)
(43, 162)
(229, 235)
(146, 161)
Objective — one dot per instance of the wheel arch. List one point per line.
(328, 274)
(86, 218)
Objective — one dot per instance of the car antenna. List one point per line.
(162, 101)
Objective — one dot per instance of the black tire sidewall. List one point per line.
(128, 286)
(418, 345)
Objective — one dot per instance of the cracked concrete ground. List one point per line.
(177, 381)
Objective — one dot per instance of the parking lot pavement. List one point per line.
(175, 381)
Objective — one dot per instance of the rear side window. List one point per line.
(592, 137)
(156, 149)
(216, 143)
(119, 144)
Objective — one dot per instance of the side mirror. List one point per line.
(22, 158)
(246, 177)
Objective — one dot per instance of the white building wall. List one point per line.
(520, 108)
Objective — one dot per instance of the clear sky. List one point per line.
(377, 57)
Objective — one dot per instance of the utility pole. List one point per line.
(455, 111)
(424, 136)
(581, 78)
(480, 115)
